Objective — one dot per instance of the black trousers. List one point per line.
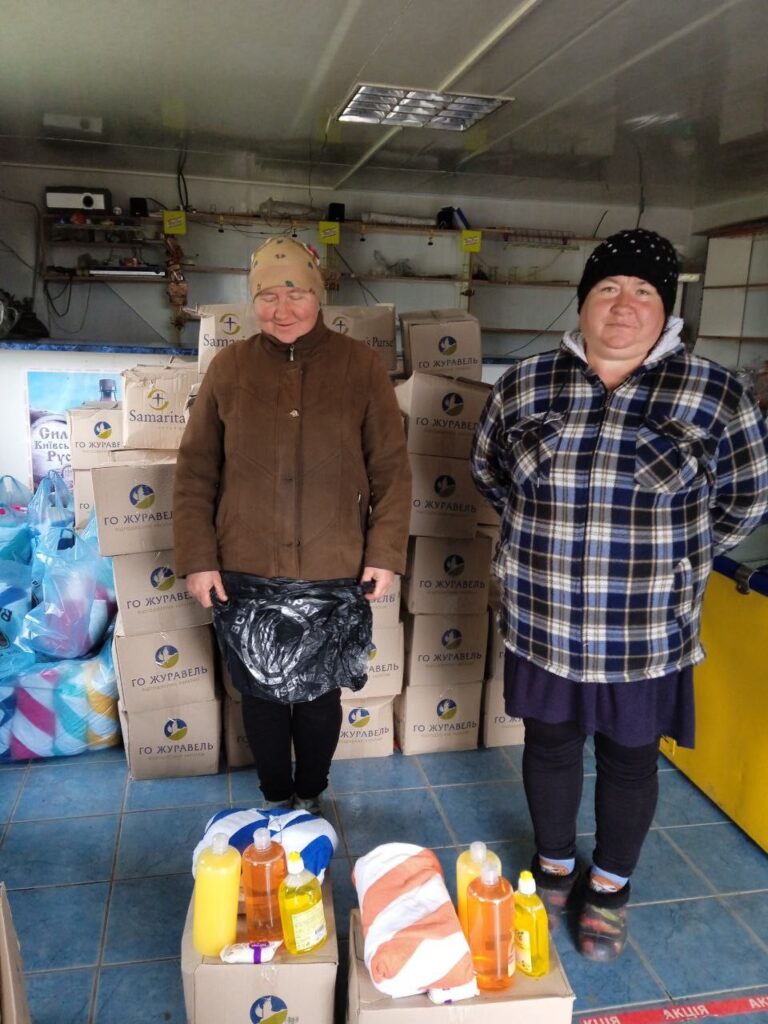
(312, 726)
(626, 793)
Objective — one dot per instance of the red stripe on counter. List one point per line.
(685, 1011)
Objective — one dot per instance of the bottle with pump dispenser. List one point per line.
(301, 908)
(469, 864)
(531, 929)
(217, 891)
(264, 868)
(490, 923)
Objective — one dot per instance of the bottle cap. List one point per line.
(489, 874)
(262, 839)
(295, 863)
(220, 842)
(526, 883)
(477, 852)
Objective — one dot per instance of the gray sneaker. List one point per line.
(278, 805)
(311, 804)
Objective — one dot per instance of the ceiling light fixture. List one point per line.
(402, 107)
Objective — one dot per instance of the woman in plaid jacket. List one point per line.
(620, 465)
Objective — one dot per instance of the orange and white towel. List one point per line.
(413, 940)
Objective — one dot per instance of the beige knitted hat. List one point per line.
(284, 262)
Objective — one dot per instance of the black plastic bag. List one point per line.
(291, 640)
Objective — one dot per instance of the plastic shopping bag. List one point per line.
(51, 504)
(14, 500)
(15, 602)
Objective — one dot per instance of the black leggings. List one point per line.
(314, 728)
(626, 792)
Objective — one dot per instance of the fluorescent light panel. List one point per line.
(417, 108)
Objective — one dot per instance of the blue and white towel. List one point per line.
(311, 836)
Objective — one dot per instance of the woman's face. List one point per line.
(622, 319)
(286, 313)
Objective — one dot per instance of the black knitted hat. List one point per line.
(635, 253)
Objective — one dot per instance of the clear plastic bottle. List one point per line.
(264, 868)
(490, 922)
(301, 908)
(531, 929)
(469, 864)
(217, 891)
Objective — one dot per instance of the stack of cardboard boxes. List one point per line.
(95, 429)
(169, 711)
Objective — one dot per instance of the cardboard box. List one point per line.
(173, 742)
(547, 1000)
(14, 1008)
(375, 325)
(445, 341)
(94, 430)
(295, 989)
(443, 498)
(160, 670)
(367, 728)
(429, 718)
(386, 611)
(447, 576)
(82, 492)
(499, 730)
(487, 514)
(236, 746)
(134, 507)
(122, 456)
(385, 664)
(153, 404)
(441, 413)
(150, 596)
(443, 649)
(222, 325)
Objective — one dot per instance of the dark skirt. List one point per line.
(633, 714)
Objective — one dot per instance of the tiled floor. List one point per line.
(98, 872)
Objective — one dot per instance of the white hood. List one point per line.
(668, 342)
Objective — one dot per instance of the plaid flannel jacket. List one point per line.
(613, 504)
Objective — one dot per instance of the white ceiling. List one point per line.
(609, 95)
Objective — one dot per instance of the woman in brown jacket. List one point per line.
(293, 467)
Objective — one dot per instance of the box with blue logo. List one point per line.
(444, 499)
(158, 670)
(445, 649)
(375, 325)
(172, 742)
(385, 664)
(153, 404)
(366, 727)
(94, 430)
(445, 341)
(288, 989)
(441, 413)
(151, 597)
(438, 717)
(134, 507)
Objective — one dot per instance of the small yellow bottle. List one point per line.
(531, 929)
(217, 890)
(301, 908)
(469, 864)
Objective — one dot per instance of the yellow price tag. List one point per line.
(174, 222)
(471, 241)
(329, 232)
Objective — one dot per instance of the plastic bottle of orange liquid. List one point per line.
(217, 891)
(531, 930)
(469, 863)
(264, 868)
(490, 922)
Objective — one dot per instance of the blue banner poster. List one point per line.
(49, 395)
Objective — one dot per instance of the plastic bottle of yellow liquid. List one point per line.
(469, 864)
(217, 890)
(301, 908)
(531, 929)
(264, 869)
(490, 923)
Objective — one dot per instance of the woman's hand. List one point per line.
(200, 585)
(383, 579)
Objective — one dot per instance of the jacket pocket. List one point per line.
(671, 455)
(683, 591)
(530, 447)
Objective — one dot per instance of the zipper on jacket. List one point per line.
(290, 353)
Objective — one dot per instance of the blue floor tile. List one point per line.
(467, 766)
(160, 842)
(10, 787)
(598, 986)
(374, 818)
(367, 773)
(696, 946)
(681, 803)
(753, 911)
(60, 997)
(146, 918)
(491, 811)
(726, 855)
(245, 788)
(71, 790)
(60, 926)
(662, 874)
(60, 852)
(152, 794)
(148, 993)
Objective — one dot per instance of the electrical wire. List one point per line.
(35, 266)
(363, 287)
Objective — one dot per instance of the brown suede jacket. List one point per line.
(293, 463)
